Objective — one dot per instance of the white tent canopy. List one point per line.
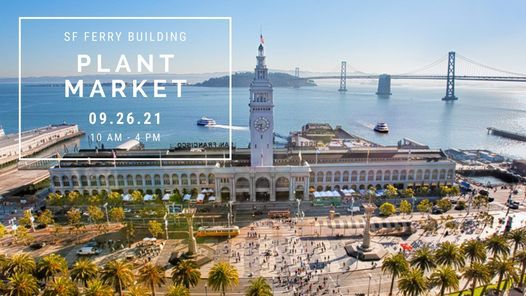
(212, 198)
(200, 197)
(187, 197)
(166, 197)
(148, 197)
(126, 197)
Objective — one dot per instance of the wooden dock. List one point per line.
(507, 134)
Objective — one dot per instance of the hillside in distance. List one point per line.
(243, 79)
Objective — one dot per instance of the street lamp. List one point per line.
(369, 285)
(206, 289)
(166, 225)
(106, 209)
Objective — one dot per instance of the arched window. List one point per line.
(93, 180)
(320, 177)
(157, 179)
(346, 176)
(354, 176)
(411, 175)
(75, 180)
(84, 180)
(175, 179)
(193, 179)
(65, 181)
(202, 179)
(427, 174)
(166, 179)
(362, 175)
(378, 175)
(403, 175)
(387, 175)
(56, 181)
(442, 174)
(450, 174)
(311, 177)
(102, 180)
(129, 180)
(138, 180)
(111, 180)
(337, 176)
(120, 180)
(184, 179)
(434, 174)
(370, 175)
(394, 177)
(418, 175)
(148, 180)
(328, 177)
(211, 179)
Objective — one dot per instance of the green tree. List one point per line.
(130, 233)
(151, 275)
(408, 193)
(504, 268)
(137, 197)
(117, 214)
(26, 218)
(396, 265)
(177, 290)
(46, 218)
(96, 287)
(449, 254)
(444, 204)
(412, 282)
(424, 190)
(118, 274)
(176, 197)
(387, 209)
(23, 236)
(520, 258)
(114, 198)
(454, 191)
(186, 274)
(61, 286)
(2, 230)
(83, 271)
(74, 217)
(424, 206)
(136, 290)
(391, 191)
(423, 258)
(444, 190)
(48, 267)
(497, 245)
(476, 273)
(474, 250)
(22, 284)
(55, 199)
(480, 201)
(223, 276)
(96, 214)
(405, 207)
(73, 198)
(444, 277)
(19, 263)
(518, 238)
(155, 228)
(258, 287)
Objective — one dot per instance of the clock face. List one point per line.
(261, 124)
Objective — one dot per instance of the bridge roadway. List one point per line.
(425, 77)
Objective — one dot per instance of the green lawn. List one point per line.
(479, 290)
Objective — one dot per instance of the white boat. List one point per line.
(205, 121)
(381, 127)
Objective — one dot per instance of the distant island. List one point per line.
(243, 79)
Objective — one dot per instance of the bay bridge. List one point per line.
(471, 70)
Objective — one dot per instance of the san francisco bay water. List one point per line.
(414, 110)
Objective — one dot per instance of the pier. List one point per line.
(507, 134)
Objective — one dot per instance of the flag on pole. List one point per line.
(114, 157)
(261, 39)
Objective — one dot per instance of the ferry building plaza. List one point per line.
(317, 158)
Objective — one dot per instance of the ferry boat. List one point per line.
(381, 127)
(205, 121)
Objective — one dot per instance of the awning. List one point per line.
(204, 191)
(360, 223)
(166, 197)
(126, 197)
(148, 197)
(187, 197)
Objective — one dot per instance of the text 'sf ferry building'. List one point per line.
(261, 172)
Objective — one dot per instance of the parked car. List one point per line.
(513, 204)
(436, 210)
(88, 251)
(353, 209)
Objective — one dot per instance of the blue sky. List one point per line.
(374, 36)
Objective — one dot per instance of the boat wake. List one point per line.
(365, 124)
(233, 127)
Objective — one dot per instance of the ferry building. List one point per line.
(317, 158)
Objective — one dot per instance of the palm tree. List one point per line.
(259, 287)
(136, 290)
(178, 290)
(497, 245)
(518, 237)
(51, 265)
(186, 274)
(423, 259)
(22, 284)
(503, 267)
(151, 275)
(474, 250)
(96, 287)
(476, 273)
(84, 270)
(449, 253)
(444, 277)
(117, 273)
(395, 264)
(520, 257)
(19, 263)
(62, 286)
(222, 276)
(412, 282)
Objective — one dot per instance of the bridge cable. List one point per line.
(426, 67)
(489, 67)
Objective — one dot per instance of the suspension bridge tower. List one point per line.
(450, 84)
(343, 77)
(297, 76)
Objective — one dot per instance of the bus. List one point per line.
(214, 231)
(279, 214)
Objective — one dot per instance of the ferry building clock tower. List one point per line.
(261, 115)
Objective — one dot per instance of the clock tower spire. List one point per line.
(261, 114)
